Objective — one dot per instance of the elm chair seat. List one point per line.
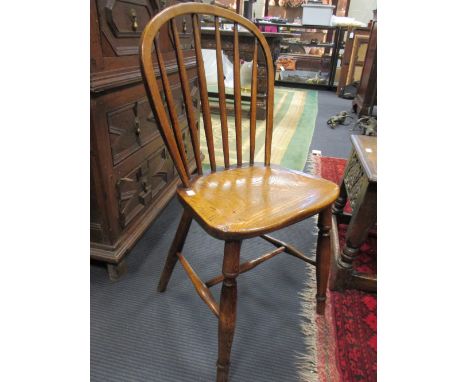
(252, 200)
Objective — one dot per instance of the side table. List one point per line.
(359, 186)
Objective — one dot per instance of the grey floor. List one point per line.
(332, 142)
(138, 334)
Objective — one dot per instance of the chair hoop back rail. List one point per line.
(242, 200)
(171, 131)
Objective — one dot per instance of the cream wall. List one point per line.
(259, 8)
(361, 10)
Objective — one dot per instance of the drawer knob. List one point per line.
(133, 16)
(137, 127)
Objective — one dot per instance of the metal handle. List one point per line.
(133, 16)
(137, 126)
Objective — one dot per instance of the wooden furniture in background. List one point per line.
(366, 96)
(359, 186)
(236, 200)
(353, 57)
(132, 174)
(311, 69)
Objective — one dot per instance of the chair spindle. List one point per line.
(158, 109)
(190, 112)
(253, 103)
(172, 110)
(237, 95)
(205, 104)
(222, 94)
(269, 107)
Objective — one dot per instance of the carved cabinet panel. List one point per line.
(355, 180)
(121, 23)
(137, 189)
(130, 127)
(132, 175)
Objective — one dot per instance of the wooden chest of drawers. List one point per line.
(132, 174)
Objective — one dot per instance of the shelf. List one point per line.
(303, 55)
(290, 25)
(331, 45)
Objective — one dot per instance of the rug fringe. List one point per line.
(307, 363)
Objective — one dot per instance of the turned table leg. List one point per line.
(340, 203)
(227, 308)
(363, 219)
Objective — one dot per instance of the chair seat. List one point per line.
(249, 201)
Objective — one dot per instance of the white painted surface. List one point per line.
(361, 10)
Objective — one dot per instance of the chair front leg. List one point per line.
(227, 308)
(177, 245)
(323, 258)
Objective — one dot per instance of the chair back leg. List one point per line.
(323, 257)
(227, 308)
(177, 245)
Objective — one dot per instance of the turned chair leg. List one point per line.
(227, 308)
(177, 245)
(323, 258)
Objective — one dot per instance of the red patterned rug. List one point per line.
(352, 314)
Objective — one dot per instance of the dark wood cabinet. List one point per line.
(132, 174)
(353, 57)
(366, 97)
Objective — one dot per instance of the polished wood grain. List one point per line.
(253, 103)
(187, 98)
(222, 94)
(149, 38)
(253, 200)
(205, 104)
(288, 248)
(199, 285)
(248, 265)
(172, 109)
(323, 257)
(240, 201)
(227, 308)
(177, 246)
(237, 96)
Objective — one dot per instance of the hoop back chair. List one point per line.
(241, 200)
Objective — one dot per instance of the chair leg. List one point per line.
(177, 245)
(323, 258)
(227, 308)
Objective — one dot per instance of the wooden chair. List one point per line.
(241, 200)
